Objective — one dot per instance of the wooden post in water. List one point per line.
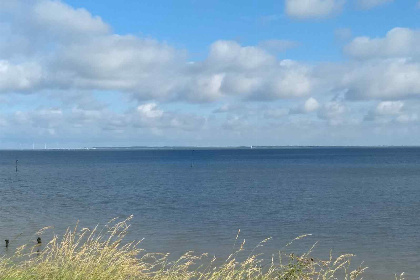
(16, 165)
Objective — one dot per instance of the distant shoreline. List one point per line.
(211, 148)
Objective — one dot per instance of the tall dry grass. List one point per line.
(84, 254)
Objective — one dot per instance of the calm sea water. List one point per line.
(360, 200)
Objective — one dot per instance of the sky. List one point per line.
(86, 73)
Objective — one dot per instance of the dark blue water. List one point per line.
(364, 201)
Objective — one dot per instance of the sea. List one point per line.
(359, 200)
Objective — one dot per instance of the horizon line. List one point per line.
(210, 147)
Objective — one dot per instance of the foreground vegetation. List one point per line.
(102, 254)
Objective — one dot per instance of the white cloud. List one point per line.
(389, 107)
(276, 80)
(61, 122)
(150, 70)
(75, 50)
(311, 105)
(391, 111)
(333, 112)
(61, 19)
(305, 9)
(368, 4)
(398, 42)
(291, 80)
(407, 118)
(39, 27)
(227, 55)
(19, 77)
(150, 115)
(386, 68)
(116, 62)
(381, 79)
(52, 51)
(149, 110)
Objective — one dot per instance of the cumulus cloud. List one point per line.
(381, 79)
(384, 68)
(150, 115)
(398, 42)
(149, 110)
(333, 112)
(39, 27)
(391, 111)
(284, 79)
(368, 4)
(61, 19)
(310, 105)
(49, 49)
(389, 107)
(19, 77)
(305, 9)
(116, 62)
(72, 49)
(227, 55)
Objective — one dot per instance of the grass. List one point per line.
(84, 254)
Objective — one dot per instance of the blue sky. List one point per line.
(195, 24)
(209, 73)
